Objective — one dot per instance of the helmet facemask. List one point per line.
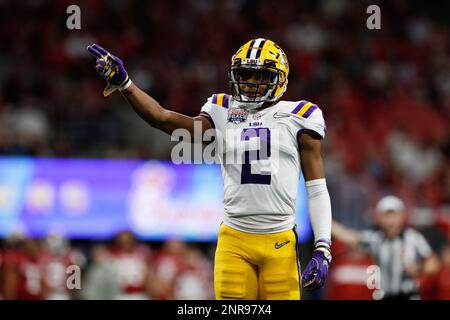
(255, 85)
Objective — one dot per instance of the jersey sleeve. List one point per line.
(213, 107)
(309, 117)
(206, 111)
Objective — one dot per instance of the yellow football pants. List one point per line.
(256, 266)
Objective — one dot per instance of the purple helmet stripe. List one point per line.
(214, 99)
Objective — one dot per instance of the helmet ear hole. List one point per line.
(237, 62)
(269, 64)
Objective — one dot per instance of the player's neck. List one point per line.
(266, 106)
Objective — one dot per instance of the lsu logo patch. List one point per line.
(236, 115)
(252, 61)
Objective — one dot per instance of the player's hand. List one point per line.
(111, 69)
(316, 272)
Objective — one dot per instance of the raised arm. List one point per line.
(344, 234)
(156, 116)
(111, 68)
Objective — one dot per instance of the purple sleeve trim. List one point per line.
(312, 133)
(208, 117)
(309, 111)
(297, 108)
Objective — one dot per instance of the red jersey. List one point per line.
(168, 267)
(55, 273)
(30, 271)
(443, 287)
(183, 275)
(348, 275)
(131, 267)
(436, 286)
(195, 279)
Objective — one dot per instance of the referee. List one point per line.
(400, 252)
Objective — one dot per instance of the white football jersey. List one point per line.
(260, 160)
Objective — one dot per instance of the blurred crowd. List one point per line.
(385, 93)
(350, 276)
(125, 268)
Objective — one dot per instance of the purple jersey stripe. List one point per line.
(298, 107)
(309, 111)
(214, 99)
(225, 101)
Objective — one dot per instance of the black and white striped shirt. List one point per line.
(393, 256)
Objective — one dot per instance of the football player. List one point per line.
(256, 255)
(24, 270)
(182, 272)
(131, 261)
(58, 257)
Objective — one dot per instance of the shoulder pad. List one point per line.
(304, 109)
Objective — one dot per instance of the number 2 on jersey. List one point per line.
(263, 153)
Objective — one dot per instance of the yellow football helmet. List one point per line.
(258, 73)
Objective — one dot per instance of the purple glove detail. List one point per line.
(108, 66)
(316, 272)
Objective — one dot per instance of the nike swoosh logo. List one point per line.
(279, 245)
(281, 115)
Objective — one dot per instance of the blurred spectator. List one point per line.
(443, 278)
(123, 269)
(195, 282)
(10, 245)
(58, 257)
(437, 286)
(131, 261)
(401, 253)
(412, 160)
(100, 281)
(348, 274)
(24, 270)
(182, 272)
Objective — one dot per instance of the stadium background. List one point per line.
(385, 96)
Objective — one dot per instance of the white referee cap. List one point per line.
(390, 203)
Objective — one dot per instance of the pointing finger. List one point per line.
(100, 49)
(95, 52)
